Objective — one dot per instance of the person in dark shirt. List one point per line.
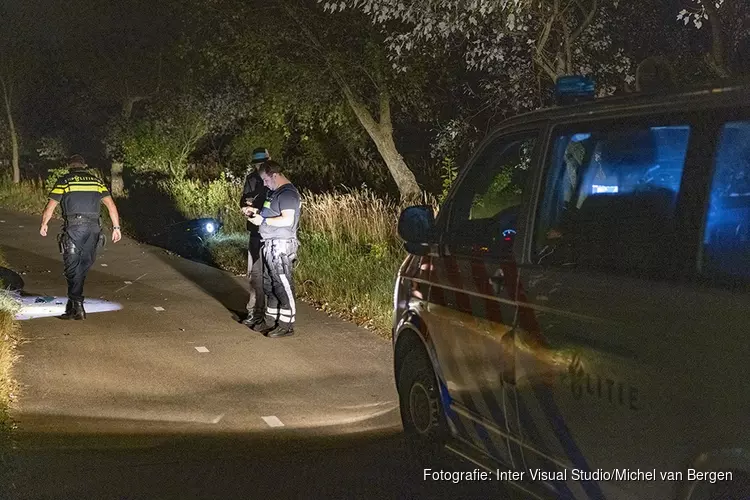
(80, 193)
(254, 195)
(278, 221)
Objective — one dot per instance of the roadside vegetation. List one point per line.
(8, 339)
(349, 250)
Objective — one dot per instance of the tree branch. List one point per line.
(540, 58)
(588, 19)
(567, 42)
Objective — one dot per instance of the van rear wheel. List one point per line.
(421, 409)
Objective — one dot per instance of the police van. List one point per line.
(576, 319)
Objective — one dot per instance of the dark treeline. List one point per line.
(345, 93)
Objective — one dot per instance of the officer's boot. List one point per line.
(282, 330)
(78, 311)
(68, 314)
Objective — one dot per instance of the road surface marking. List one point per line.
(273, 421)
(201, 349)
(158, 308)
(127, 284)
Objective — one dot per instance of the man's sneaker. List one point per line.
(280, 331)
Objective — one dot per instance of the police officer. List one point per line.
(80, 193)
(278, 221)
(253, 197)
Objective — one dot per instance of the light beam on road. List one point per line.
(36, 306)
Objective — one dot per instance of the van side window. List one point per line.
(485, 207)
(609, 199)
(727, 235)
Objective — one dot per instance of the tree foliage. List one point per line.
(728, 22)
(517, 41)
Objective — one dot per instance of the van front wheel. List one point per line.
(421, 409)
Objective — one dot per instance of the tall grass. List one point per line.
(355, 216)
(8, 326)
(349, 255)
(27, 196)
(8, 340)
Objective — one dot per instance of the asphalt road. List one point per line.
(169, 397)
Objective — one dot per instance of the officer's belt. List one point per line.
(75, 219)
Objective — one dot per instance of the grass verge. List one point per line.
(8, 340)
(348, 279)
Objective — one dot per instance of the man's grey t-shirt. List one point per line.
(284, 198)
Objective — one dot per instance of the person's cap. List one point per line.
(259, 155)
(76, 161)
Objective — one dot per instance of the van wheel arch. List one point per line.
(408, 340)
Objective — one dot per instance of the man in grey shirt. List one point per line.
(278, 221)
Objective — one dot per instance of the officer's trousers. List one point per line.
(257, 301)
(79, 243)
(278, 283)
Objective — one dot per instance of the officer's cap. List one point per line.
(259, 155)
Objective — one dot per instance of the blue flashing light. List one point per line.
(574, 88)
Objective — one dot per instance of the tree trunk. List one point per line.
(717, 57)
(382, 135)
(127, 105)
(381, 132)
(12, 130)
(118, 186)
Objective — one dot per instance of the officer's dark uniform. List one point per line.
(279, 252)
(79, 193)
(256, 193)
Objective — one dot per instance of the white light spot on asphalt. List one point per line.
(128, 282)
(217, 419)
(158, 308)
(2, 221)
(20, 226)
(273, 421)
(104, 265)
(201, 349)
